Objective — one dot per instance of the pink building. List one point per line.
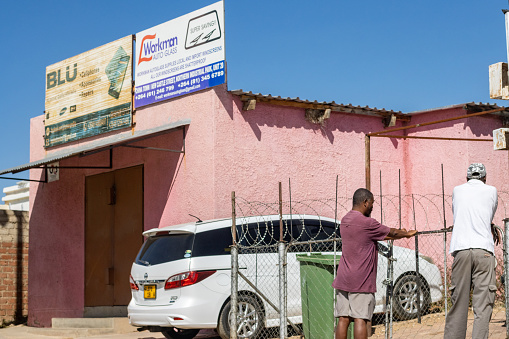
(85, 227)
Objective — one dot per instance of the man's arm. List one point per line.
(395, 233)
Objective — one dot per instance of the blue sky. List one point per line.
(401, 55)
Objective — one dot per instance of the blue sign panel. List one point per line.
(183, 83)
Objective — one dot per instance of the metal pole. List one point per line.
(437, 121)
(418, 277)
(506, 14)
(392, 136)
(390, 286)
(282, 289)
(291, 218)
(334, 243)
(367, 161)
(399, 186)
(234, 300)
(445, 242)
(234, 221)
(282, 270)
(280, 212)
(234, 274)
(413, 208)
(381, 201)
(506, 274)
(387, 286)
(506, 220)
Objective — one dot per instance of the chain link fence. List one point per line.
(286, 262)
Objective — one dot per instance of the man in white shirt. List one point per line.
(474, 205)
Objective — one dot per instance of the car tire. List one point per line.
(405, 297)
(250, 320)
(177, 333)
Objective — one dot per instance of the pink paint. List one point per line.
(248, 152)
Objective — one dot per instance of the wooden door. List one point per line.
(113, 227)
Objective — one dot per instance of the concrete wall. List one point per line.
(14, 267)
(227, 150)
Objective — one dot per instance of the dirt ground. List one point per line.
(432, 326)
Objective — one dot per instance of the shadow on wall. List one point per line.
(294, 118)
(283, 117)
(161, 171)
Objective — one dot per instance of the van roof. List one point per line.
(202, 226)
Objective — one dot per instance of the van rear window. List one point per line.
(160, 249)
(214, 242)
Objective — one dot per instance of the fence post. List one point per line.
(282, 290)
(506, 275)
(234, 300)
(234, 275)
(445, 271)
(418, 278)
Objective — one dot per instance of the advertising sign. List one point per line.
(180, 56)
(89, 94)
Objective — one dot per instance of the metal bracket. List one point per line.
(183, 151)
(45, 168)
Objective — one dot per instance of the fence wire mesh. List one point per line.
(285, 273)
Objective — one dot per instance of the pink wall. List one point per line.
(248, 152)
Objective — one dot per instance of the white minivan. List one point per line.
(180, 280)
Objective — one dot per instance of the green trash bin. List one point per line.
(317, 295)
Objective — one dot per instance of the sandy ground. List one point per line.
(432, 326)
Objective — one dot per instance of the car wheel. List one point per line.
(405, 297)
(177, 333)
(250, 319)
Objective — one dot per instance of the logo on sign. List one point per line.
(151, 48)
(203, 29)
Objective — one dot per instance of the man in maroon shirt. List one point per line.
(356, 277)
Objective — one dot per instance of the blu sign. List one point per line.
(89, 94)
(180, 56)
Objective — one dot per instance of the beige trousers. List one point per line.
(471, 269)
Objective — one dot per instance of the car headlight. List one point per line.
(428, 259)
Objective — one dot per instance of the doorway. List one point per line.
(113, 234)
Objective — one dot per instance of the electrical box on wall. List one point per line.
(501, 139)
(499, 83)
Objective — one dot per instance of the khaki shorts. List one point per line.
(354, 305)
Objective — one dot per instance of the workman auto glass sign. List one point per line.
(180, 56)
(89, 94)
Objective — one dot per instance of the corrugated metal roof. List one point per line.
(469, 106)
(98, 145)
(366, 110)
(315, 104)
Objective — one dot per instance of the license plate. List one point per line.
(149, 291)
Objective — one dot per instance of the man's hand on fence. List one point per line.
(497, 237)
(395, 234)
(410, 233)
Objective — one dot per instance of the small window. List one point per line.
(215, 242)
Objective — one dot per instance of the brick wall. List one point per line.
(13, 266)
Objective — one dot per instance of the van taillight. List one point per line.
(133, 284)
(186, 279)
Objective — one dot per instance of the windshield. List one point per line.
(161, 249)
